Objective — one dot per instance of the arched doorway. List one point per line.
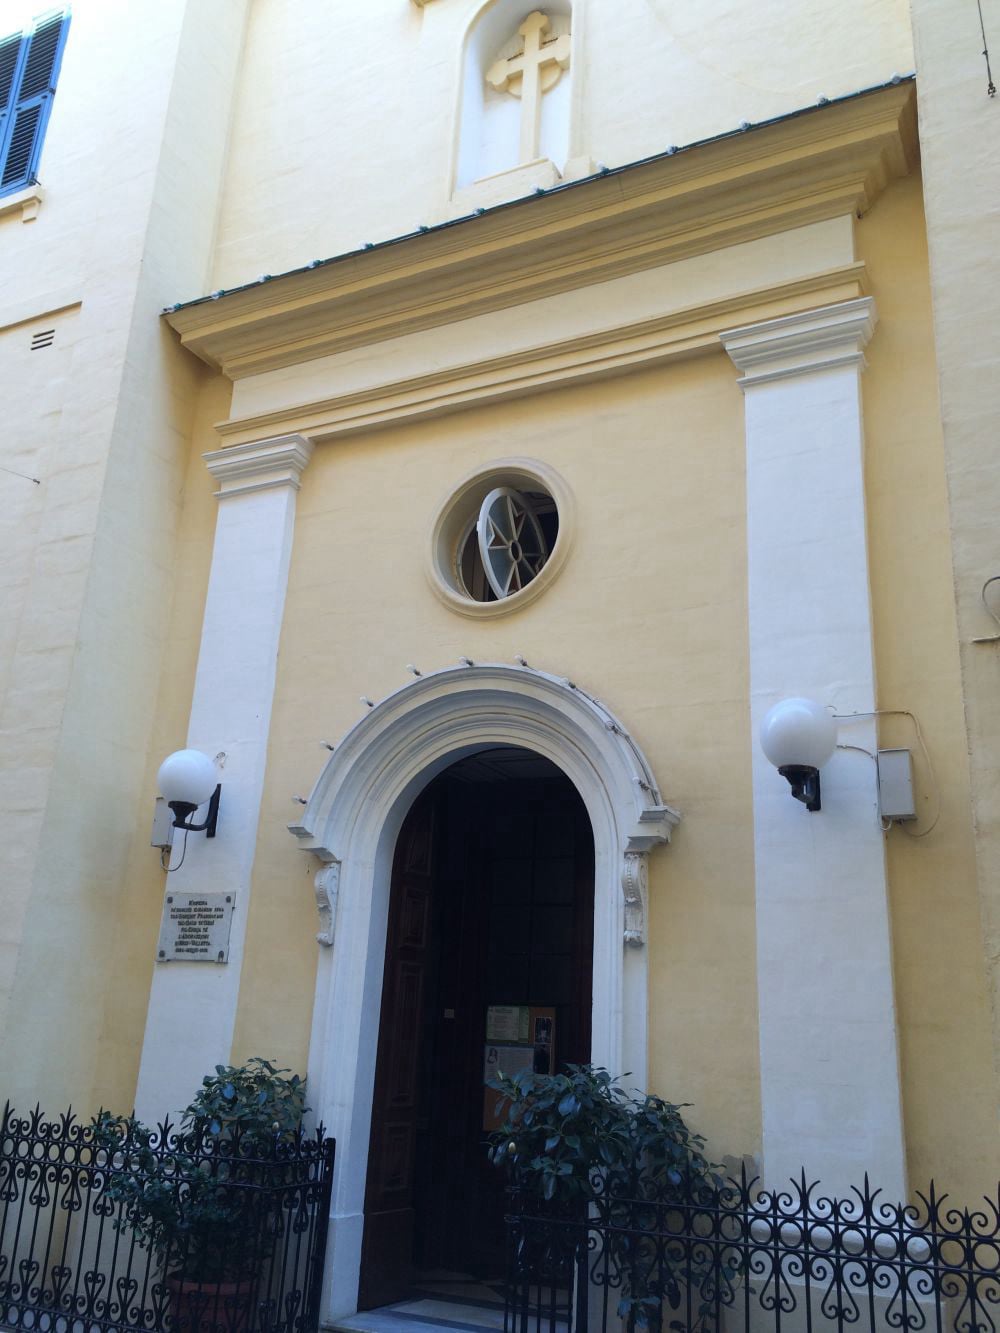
(488, 964)
(351, 825)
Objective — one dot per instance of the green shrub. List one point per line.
(199, 1199)
(580, 1138)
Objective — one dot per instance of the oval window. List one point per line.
(507, 544)
(512, 545)
(501, 537)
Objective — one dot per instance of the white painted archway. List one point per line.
(351, 823)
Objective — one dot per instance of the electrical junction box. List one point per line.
(895, 785)
(163, 825)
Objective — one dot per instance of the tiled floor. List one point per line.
(440, 1301)
(423, 1314)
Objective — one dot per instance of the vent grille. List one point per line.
(43, 339)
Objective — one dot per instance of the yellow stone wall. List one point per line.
(103, 418)
(645, 614)
(941, 995)
(960, 136)
(650, 614)
(320, 86)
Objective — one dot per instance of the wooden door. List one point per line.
(387, 1249)
(514, 912)
(491, 902)
(537, 854)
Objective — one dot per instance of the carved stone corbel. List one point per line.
(327, 885)
(635, 886)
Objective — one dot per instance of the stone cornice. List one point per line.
(259, 465)
(834, 335)
(821, 164)
(613, 351)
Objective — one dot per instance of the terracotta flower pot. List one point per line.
(211, 1307)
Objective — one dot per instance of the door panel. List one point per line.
(491, 902)
(387, 1248)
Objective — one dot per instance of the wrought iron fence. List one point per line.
(106, 1228)
(702, 1259)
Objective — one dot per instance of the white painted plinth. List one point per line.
(829, 1061)
(192, 1006)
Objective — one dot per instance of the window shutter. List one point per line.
(43, 47)
(21, 147)
(33, 65)
(10, 51)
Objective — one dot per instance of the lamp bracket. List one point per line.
(183, 810)
(804, 782)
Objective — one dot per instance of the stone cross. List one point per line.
(530, 74)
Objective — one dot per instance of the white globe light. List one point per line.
(187, 776)
(798, 732)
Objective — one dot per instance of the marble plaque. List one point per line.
(195, 928)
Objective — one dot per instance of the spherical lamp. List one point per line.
(799, 736)
(187, 779)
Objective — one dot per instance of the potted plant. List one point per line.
(198, 1197)
(624, 1166)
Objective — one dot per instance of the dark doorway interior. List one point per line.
(491, 912)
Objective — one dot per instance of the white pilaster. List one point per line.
(192, 1006)
(829, 1062)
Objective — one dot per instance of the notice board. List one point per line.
(518, 1036)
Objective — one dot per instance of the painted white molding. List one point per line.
(327, 885)
(259, 465)
(352, 820)
(192, 1006)
(635, 884)
(517, 369)
(824, 339)
(829, 1059)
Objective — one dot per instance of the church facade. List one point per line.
(464, 423)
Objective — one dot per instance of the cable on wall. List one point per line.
(991, 88)
(904, 712)
(165, 853)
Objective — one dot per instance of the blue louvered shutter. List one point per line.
(11, 51)
(29, 67)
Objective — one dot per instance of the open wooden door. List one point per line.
(387, 1249)
(490, 904)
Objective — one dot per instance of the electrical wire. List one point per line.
(991, 88)
(995, 578)
(165, 860)
(23, 475)
(860, 749)
(874, 758)
(904, 712)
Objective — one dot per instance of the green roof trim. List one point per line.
(539, 192)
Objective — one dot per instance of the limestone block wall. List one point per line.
(276, 132)
(960, 138)
(938, 945)
(650, 613)
(128, 211)
(349, 125)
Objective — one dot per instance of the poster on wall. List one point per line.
(518, 1037)
(507, 1022)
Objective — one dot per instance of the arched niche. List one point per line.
(350, 824)
(489, 139)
